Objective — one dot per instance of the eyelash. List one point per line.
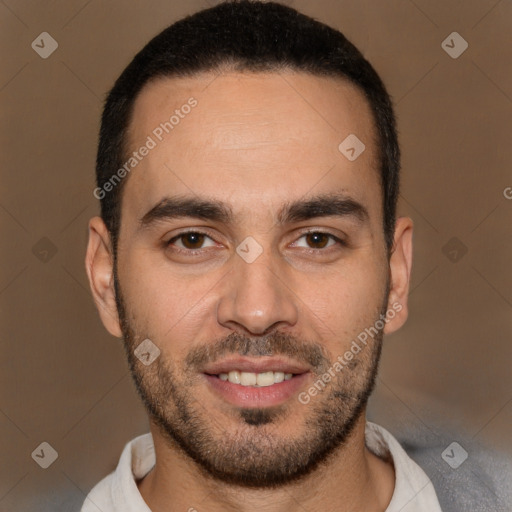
(192, 252)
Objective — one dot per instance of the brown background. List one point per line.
(64, 379)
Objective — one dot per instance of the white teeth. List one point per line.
(247, 379)
(278, 377)
(265, 379)
(255, 379)
(234, 377)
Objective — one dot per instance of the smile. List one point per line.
(256, 382)
(255, 379)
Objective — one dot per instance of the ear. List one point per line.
(99, 265)
(400, 264)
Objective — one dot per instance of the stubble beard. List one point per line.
(253, 452)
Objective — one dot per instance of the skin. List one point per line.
(255, 142)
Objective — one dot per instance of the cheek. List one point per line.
(167, 304)
(162, 301)
(344, 302)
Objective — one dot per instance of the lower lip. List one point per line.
(252, 396)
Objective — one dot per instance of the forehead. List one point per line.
(249, 138)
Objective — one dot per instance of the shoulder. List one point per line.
(465, 474)
(100, 497)
(413, 490)
(118, 491)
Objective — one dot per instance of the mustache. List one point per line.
(276, 343)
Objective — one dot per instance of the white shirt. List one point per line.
(118, 492)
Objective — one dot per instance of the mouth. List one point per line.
(255, 379)
(261, 382)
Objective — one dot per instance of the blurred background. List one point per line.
(445, 377)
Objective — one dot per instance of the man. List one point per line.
(249, 255)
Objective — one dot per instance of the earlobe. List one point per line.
(400, 264)
(100, 271)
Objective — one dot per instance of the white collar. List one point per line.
(413, 491)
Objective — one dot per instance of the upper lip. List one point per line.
(255, 365)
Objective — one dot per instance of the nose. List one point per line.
(256, 298)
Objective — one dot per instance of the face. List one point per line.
(251, 253)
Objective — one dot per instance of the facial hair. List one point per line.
(253, 453)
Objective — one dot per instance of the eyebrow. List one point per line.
(324, 205)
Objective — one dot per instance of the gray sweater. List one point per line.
(467, 475)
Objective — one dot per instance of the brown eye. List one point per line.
(317, 240)
(191, 240)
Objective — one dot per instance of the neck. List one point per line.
(352, 478)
